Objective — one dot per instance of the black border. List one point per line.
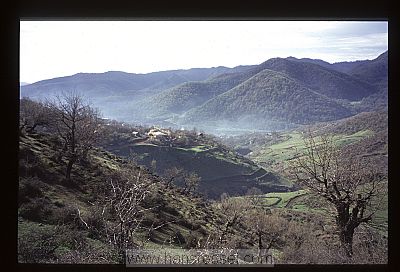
(178, 10)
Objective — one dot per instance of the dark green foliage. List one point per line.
(67, 215)
(191, 94)
(270, 95)
(325, 81)
(374, 71)
(220, 168)
(32, 165)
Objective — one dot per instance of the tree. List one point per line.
(191, 181)
(125, 195)
(172, 174)
(77, 124)
(255, 196)
(234, 209)
(32, 114)
(267, 229)
(352, 185)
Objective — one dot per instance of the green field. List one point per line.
(292, 147)
(197, 148)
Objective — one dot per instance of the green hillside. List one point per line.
(325, 81)
(269, 95)
(189, 95)
(50, 228)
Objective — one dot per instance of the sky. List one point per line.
(50, 49)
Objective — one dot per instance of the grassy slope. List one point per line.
(37, 159)
(274, 154)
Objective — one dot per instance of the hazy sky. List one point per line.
(51, 49)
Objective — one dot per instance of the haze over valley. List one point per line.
(274, 95)
(286, 158)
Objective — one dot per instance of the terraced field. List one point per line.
(279, 199)
(294, 145)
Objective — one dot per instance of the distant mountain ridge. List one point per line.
(326, 81)
(117, 81)
(342, 66)
(282, 91)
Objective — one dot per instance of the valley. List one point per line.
(258, 156)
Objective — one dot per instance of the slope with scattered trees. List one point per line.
(109, 204)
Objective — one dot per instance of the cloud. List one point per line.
(51, 49)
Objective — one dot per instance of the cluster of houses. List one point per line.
(158, 133)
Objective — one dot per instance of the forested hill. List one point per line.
(270, 95)
(276, 94)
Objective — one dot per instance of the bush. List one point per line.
(37, 209)
(95, 253)
(96, 223)
(39, 243)
(32, 166)
(66, 215)
(36, 244)
(29, 188)
(71, 238)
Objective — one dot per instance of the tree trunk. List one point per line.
(346, 228)
(69, 169)
(346, 240)
(260, 245)
(32, 128)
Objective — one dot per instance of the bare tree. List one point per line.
(78, 125)
(255, 196)
(127, 190)
(352, 185)
(172, 174)
(32, 114)
(191, 181)
(267, 229)
(235, 210)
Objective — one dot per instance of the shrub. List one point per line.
(96, 223)
(39, 243)
(66, 215)
(36, 244)
(29, 188)
(37, 209)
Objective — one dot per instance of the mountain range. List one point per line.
(276, 94)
